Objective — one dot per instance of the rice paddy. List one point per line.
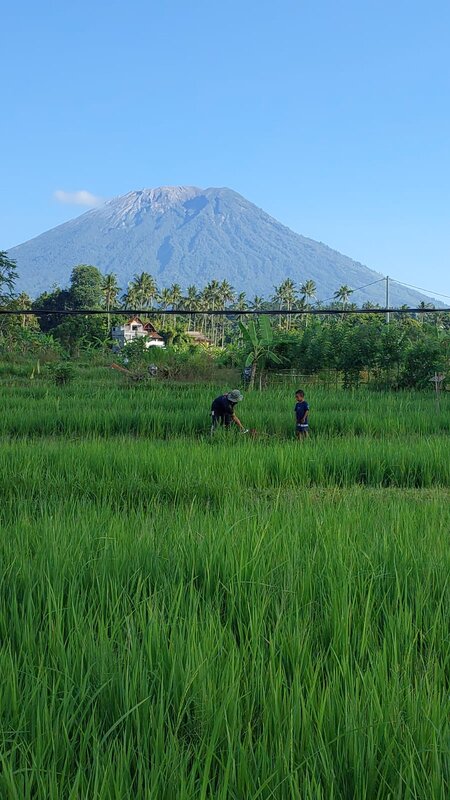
(187, 617)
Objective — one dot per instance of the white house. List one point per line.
(136, 329)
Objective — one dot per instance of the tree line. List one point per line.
(402, 353)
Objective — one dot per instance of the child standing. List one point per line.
(301, 415)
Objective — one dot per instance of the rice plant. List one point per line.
(192, 617)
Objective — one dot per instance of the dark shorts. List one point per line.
(302, 427)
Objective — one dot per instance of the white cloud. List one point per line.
(79, 198)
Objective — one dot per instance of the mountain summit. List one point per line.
(187, 235)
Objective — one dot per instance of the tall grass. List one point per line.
(132, 474)
(183, 617)
(110, 408)
(292, 648)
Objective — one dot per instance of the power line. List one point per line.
(419, 288)
(380, 280)
(227, 312)
(355, 290)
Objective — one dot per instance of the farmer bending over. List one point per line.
(222, 410)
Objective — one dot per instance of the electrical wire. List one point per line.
(419, 288)
(328, 300)
(215, 312)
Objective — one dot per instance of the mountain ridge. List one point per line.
(189, 235)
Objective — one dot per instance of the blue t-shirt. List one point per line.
(300, 411)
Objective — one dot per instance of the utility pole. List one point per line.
(387, 299)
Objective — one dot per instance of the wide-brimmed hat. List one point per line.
(235, 396)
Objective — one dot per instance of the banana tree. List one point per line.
(259, 336)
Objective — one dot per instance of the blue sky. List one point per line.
(332, 116)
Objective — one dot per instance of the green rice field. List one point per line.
(243, 617)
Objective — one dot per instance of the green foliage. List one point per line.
(27, 341)
(86, 287)
(397, 354)
(181, 409)
(142, 292)
(404, 353)
(175, 337)
(183, 617)
(8, 276)
(423, 359)
(180, 361)
(259, 337)
(56, 300)
(62, 373)
(10, 324)
(136, 356)
(80, 333)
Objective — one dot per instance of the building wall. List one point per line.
(123, 334)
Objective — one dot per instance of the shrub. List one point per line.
(422, 359)
(62, 373)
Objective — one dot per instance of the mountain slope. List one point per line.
(188, 235)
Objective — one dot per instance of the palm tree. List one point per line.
(152, 290)
(8, 275)
(202, 304)
(165, 298)
(423, 304)
(308, 291)
(138, 289)
(129, 298)
(176, 293)
(343, 294)
(257, 303)
(226, 295)
(23, 303)
(240, 304)
(175, 298)
(211, 294)
(190, 301)
(302, 305)
(439, 320)
(110, 291)
(144, 290)
(285, 296)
